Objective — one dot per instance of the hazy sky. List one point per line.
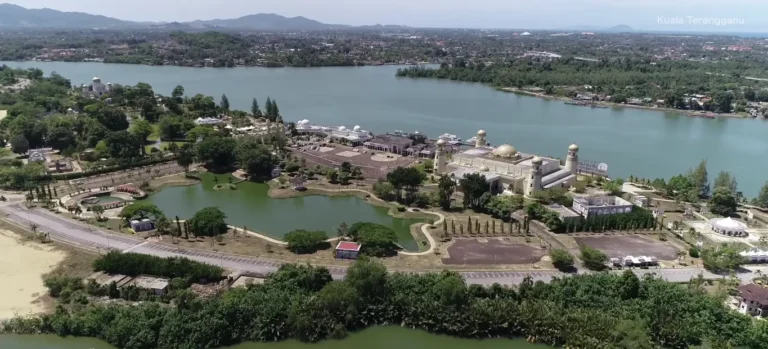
(733, 15)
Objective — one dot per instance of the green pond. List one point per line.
(374, 338)
(249, 206)
(109, 199)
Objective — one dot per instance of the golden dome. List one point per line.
(537, 160)
(484, 168)
(481, 133)
(505, 151)
(440, 142)
(573, 147)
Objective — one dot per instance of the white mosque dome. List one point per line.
(537, 160)
(573, 147)
(96, 79)
(356, 128)
(440, 142)
(505, 151)
(481, 133)
(484, 168)
(304, 122)
(342, 128)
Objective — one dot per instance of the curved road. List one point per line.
(80, 235)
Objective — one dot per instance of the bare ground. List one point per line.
(487, 251)
(629, 245)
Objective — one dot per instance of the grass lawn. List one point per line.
(163, 145)
(155, 135)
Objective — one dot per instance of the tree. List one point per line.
(255, 111)
(174, 127)
(592, 258)
(762, 199)
(304, 241)
(333, 176)
(141, 129)
(19, 144)
(186, 156)
(376, 239)
(383, 190)
(98, 210)
(219, 152)
(561, 259)
(446, 186)
(178, 93)
(268, 109)
(61, 138)
(112, 118)
(473, 186)
(256, 159)
(723, 202)
(699, 179)
(723, 259)
(224, 104)
(726, 180)
(209, 221)
(612, 188)
(162, 224)
(122, 145)
(408, 178)
(276, 112)
(140, 210)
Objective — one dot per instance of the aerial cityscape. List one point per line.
(291, 179)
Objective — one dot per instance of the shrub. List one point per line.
(561, 259)
(592, 258)
(304, 241)
(693, 252)
(400, 208)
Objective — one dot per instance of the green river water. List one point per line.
(373, 338)
(632, 142)
(250, 206)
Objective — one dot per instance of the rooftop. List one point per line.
(400, 141)
(727, 223)
(149, 282)
(754, 292)
(595, 201)
(348, 246)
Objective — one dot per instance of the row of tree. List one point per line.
(593, 311)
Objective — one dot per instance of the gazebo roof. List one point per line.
(727, 224)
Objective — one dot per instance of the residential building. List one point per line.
(753, 300)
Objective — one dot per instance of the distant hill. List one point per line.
(13, 16)
(266, 21)
(623, 28)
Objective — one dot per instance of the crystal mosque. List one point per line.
(506, 169)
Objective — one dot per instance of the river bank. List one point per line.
(619, 105)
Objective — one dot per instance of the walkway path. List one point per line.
(424, 229)
(87, 237)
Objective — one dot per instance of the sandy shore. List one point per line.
(22, 265)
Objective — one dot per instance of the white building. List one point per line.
(508, 170)
(305, 127)
(96, 88)
(755, 255)
(728, 226)
(355, 136)
(601, 205)
(207, 121)
(753, 300)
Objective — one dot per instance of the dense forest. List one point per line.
(303, 302)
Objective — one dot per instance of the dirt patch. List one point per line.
(629, 245)
(488, 251)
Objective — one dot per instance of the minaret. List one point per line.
(480, 143)
(572, 161)
(440, 157)
(534, 177)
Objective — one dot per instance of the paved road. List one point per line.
(83, 236)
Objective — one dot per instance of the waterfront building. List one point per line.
(356, 136)
(507, 170)
(440, 160)
(305, 127)
(728, 226)
(753, 300)
(389, 143)
(601, 205)
(96, 88)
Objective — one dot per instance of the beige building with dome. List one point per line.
(508, 170)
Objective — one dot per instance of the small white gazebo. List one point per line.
(728, 226)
